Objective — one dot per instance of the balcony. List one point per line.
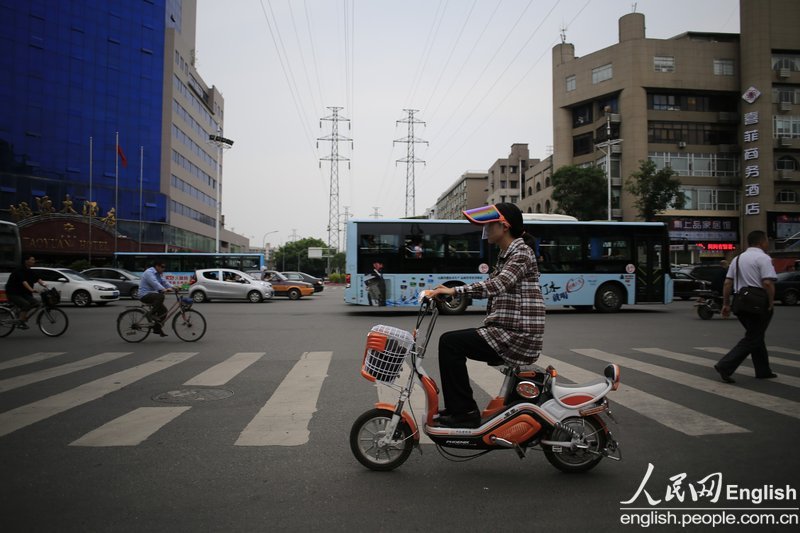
(785, 106)
(788, 175)
(728, 116)
(788, 142)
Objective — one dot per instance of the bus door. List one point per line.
(649, 268)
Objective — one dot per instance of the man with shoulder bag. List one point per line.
(751, 281)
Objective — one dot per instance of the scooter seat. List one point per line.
(580, 393)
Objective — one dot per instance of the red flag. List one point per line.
(122, 156)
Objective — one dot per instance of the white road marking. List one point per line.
(707, 363)
(132, 428)
(28, 359)
(670, 414)
(60, 370)
(284, 419)
(225, 371)
(772, 359)
(31, 413)
(732, 392)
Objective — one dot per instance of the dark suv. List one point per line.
(713, 273)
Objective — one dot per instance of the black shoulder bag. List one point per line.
(749, 300)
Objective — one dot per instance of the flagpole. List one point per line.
(141, 179)
(90, 201)
(116, 193)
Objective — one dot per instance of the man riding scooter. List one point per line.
(513, 329)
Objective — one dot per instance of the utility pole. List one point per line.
(334, 138)
(376, 214)
(607, 147)
(410, 160)
(345, 218)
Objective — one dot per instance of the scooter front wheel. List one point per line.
(365, 437)
(705, 312)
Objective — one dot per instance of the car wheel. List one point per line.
(293, 294)
(199, 297)
(254, 296)
(790, 298)
(134, 293)
(81, 298)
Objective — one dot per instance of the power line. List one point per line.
(410, 160)
(303, 59)
(313, 52)
(426, 50)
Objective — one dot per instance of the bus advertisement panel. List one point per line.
(182, 265)
(583, 264)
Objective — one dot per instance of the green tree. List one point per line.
(294, 256)
(655, 190)
(581, 192)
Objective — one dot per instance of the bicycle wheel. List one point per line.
(7, 322)
(52, 322)
(133, 326)
(189, 325)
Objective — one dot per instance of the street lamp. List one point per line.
(607, 144)
(222, 144)
(264, 244)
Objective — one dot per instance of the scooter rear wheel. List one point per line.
(368, 429)
(578, 460)
(705, 312)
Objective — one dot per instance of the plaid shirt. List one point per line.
(514, 325)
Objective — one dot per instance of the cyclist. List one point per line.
(151, 292)
(20, 289)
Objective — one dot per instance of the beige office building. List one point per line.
(192, 111)
(681, 102)
(507, 175)
(538, 187)
(467, 192)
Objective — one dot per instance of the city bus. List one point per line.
(10, 247)
(604, 265)
(181, 265)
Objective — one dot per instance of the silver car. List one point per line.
(228, 284)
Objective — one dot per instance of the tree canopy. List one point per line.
(655, 190)
(581, 192)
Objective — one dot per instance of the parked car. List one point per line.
(787, 288)
(685, 284)
(712, 273)
(77, 288)
(126, 282)
(225, 283)
(283, 286)
(317, 283)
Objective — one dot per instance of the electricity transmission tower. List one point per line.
(334, 138)
(410, 160)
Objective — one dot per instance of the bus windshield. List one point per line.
(10, 246)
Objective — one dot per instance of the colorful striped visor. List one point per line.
(485, 214)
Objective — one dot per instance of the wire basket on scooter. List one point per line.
(387, 348)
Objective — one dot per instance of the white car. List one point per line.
(228, 284)
(77, 288)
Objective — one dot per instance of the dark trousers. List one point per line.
(752, 343)
(156, 301)
(455, 347)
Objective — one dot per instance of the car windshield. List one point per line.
(131, 275)
(74, 274)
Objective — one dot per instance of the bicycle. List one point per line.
(136, 323)
(50, 320)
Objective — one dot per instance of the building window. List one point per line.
(513, 184)
(570, 83)
(709, 199)
(503, 184)
(788, 61)
(723, 67)
(786, 162)
(606, 72)
(785, 93)
(514, 199)
(691, 133)
(538, 186)
(691, 102)
(786, 197)
(689, 164)
(786, 126)
(664, 63)
(502, 169)
(547, 181)
(582, 144)
(581, 115)
(547, 206)
(611, 102)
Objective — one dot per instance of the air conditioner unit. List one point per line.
(784, 73)
(786, 142)
(681, 144)
(786, 106)
(784, 174)
(616, 149)
(615, 118)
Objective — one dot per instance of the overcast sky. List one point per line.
(478, 71)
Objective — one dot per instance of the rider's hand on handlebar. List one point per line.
(441, 290)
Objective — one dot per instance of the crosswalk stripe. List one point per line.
(783, 350)
(31, 413)
(60, 370)
(28, 359)
(132, 428)
(417, 400)
(225, 371)
(284, 419)
(702, 361)
(670, 414)
(772, 359)
(753, 398)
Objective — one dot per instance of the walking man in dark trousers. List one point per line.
(752, 268)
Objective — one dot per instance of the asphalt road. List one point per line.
(88, 442)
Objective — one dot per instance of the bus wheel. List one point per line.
(455, 305)
(609, 298)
